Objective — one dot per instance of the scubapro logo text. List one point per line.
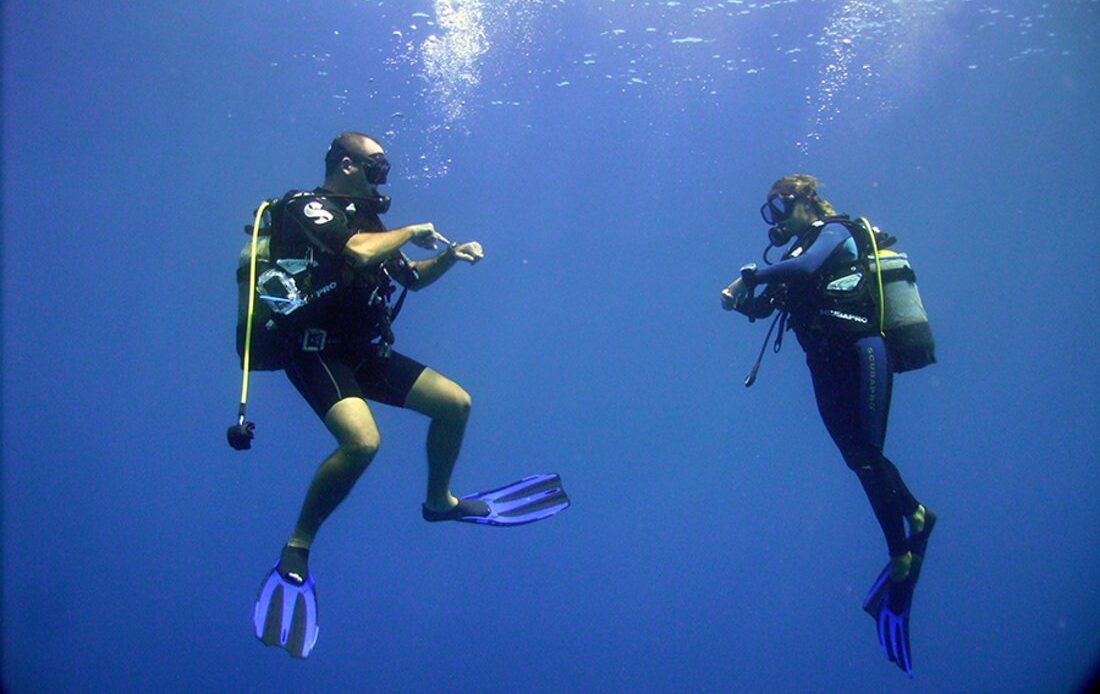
(322, 291)
(845, 316)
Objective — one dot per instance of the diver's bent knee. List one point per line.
(453, 405)
(461, 402)
(362, 450)
(862, 460)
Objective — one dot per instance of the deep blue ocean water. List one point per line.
(611, 157)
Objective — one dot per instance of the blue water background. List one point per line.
(613, 174)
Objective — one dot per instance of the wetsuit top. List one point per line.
(811, 271)
(346, 302)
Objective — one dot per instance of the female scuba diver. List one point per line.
(843, 294)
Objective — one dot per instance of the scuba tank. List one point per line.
(278, 295)
(902, 320)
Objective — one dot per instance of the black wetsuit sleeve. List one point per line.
(321, 222)
(806, 264)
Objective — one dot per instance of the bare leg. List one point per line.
(351, 422)
(448, 405)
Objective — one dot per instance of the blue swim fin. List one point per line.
(873, 602)
(526, 501)
(889, 602)
(286, 614)
(893, 620)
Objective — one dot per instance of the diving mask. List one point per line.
(375, 168)
(778, 209)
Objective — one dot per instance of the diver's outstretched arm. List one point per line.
(428, 271)
(369, 248)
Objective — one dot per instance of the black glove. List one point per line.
(240, 436)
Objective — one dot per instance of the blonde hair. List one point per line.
(803, 186)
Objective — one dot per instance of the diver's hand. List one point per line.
(734, 295)
(469, 252)
(423, 235)
(748, 275)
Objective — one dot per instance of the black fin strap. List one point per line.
(751, 378)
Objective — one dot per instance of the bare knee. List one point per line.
(360, 450)
(451, 404)
(351, 422)
(440, 398)
(461, 402)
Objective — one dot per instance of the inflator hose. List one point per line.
(240, 435)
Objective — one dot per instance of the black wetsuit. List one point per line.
(336, 350)
(849, 365)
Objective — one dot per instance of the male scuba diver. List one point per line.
(329, 290)
(854, 309)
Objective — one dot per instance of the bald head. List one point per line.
(349, 144)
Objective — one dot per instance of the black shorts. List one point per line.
(325, 378)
